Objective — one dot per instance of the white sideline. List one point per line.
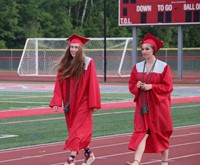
(94, 139)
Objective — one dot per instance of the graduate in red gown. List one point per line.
(77, 89)
(151, 84)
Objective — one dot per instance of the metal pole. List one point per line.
(36, 57)
(134, 51)
(105, 62)
(180, 51)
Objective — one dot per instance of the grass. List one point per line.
(186, 114)
(51, 128)
(18, 100)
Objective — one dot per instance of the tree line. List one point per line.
(22, 19)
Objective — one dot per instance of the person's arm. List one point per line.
(134, 84)
(56, 100)
(94, 90)
(163, 90)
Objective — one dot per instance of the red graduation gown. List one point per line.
(158, 119)
(86, 98)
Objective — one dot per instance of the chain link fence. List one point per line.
(10, 58)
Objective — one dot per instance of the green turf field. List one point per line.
(19, 100)
(51, 128)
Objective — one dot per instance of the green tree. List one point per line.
(22, 19)
(191, 36)
(9, 23)
(55, 23)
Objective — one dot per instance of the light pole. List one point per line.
(105, 61)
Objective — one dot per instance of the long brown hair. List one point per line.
(71, 66)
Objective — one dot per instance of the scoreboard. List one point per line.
(158, 12)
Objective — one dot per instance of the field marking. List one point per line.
(27, 102)
(107, 137)
(101, 157)
(100, 114)
(24, 97)
(173, 158)
(3, 136)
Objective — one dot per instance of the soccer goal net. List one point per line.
(40, 55)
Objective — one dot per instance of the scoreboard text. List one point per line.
(158, 12)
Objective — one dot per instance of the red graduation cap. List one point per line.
(149, 38)
(77, 39)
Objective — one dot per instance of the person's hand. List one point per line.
(146, 87)
(55, 108)
(139, 83)
(94, 110)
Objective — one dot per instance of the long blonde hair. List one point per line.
(70, 66)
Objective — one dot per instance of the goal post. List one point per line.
(40, 54)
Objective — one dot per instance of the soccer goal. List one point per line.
(40, 54)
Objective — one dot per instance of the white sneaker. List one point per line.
(88, 159)
(70, 162)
